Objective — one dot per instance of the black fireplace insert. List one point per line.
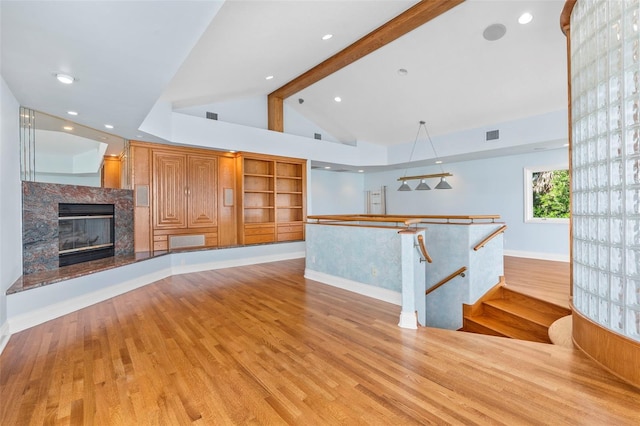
(85, 232)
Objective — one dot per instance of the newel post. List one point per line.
(413, 278)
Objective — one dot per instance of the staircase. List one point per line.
(506, 313)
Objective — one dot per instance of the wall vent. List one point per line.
(317, 136)
(212, 115)
(493, 135)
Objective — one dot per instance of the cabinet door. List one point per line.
(202, 191)
(169, 190)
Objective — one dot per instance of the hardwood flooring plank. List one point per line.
(545, 279)
(263, 345)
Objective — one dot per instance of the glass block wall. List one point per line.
(605, 80)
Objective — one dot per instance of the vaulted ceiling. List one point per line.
(127, 55)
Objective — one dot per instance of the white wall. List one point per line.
(335, 193)
(489, 186)
(252, 112)
(10, 201)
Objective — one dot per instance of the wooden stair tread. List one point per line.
(534, 302)
(527, 313)
(504, 329)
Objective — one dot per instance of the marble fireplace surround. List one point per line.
(40, 220)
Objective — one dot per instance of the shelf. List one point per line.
(289, 170)
(257, 175)
(258, 184)
(258, 167)
(273, 195)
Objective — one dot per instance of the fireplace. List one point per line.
(85, 232)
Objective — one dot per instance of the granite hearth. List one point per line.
(40, 220)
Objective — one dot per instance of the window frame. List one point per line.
(528, 194)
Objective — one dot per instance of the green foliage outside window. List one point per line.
(551, 194)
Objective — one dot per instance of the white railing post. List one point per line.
(412, 278)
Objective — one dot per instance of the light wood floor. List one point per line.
(262, 345)
(544, 279)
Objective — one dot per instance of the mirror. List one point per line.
(55, 150)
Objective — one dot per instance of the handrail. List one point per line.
(446, 280)
(400, 218)
(490, 237)
(423, 249)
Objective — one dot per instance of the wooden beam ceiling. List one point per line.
(412, 18)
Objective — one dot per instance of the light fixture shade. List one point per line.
(404, 186)
(422, 186)
(443, 184)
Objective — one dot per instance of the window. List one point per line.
(547, 194)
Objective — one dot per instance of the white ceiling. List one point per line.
(128, 54)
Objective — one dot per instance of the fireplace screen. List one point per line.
(85, 232)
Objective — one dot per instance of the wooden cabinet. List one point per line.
(185, 190)
(182, 197)
(192, 197)
(185, 197)
(169, 190)
(273, 201)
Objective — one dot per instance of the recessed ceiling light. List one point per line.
(337, 99)
(68, 128)
(232, 151)
(327, 167)
(72, 113)
(566, 144)
(403, 71)
(439, 162)
(269, 77)
(139, 136)
(360, 171)
(327, 36)
(108, 126)
(525, 18)
(64, 78)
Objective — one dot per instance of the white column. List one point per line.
(411, 277)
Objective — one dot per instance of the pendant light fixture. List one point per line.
(423, 186)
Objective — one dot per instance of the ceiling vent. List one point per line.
(212, 115)
(493, 135)
(317, 136)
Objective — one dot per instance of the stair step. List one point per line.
(535, 303)
(524, 312)
(471, 326)
(521, 317)
(499, 328)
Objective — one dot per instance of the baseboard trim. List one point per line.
(354, 286)
(557, 257)
(233, 263)
(4, 336)
(42, 315)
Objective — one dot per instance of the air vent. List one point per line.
(317, 136)
(493, 135)
(212, 115)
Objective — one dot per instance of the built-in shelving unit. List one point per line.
(273, 201)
